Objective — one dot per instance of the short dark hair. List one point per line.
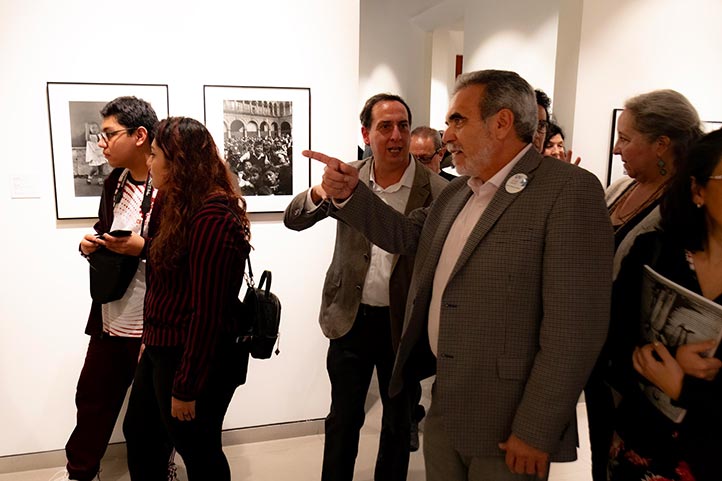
(553, 129)
(131, 113)
(428, 132)
(543, 101)
(681, 219)
(366, 111)
(504, 90)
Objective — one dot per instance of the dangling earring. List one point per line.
(699, 205)
(660, 164)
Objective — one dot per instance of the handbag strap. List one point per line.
(266, 276)
(249, 277)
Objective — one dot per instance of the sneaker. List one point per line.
(63, 475)
(414, 441)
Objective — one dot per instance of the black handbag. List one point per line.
(262, 311)
(110, 272)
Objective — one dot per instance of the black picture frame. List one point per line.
(73, 114)
(261, 132)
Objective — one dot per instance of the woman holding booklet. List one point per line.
(668, 425)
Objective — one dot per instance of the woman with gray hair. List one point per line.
(655, 131)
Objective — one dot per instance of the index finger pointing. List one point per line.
(318, 156)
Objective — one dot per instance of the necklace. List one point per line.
(622, 200)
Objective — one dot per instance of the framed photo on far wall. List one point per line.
(615, 169)
(262, 132)
(79, 167)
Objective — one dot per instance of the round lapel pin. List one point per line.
(516, 183)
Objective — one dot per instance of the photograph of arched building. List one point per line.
(258, 145)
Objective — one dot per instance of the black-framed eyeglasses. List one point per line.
(542, 126)
(106, 136)
(425, 159)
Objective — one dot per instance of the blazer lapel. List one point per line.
(499, 203)
(420, 191)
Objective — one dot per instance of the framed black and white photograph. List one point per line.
(79, 167)
(615, 169)
(262, 132)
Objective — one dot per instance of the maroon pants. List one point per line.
(107, 373)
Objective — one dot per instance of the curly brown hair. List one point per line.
(195, 170)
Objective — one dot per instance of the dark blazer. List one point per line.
(352, 253)
(525, 310)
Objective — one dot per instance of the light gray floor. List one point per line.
(299, 459)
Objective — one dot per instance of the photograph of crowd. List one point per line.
(258, 145)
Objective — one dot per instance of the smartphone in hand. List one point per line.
(120, 233)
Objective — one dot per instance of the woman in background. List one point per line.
(197, 252)
(655, 131)
(554, 144)
(686, 250)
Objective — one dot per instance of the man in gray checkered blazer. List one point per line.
(509, 299)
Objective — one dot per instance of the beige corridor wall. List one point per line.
(44, 297)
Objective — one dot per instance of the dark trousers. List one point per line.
(151, 432)
(600, 416)
(108, 371)
(350, 362)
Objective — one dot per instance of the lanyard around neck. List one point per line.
(147, 195)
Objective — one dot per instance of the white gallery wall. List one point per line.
(44, 297)
(519, 36)
(630, 47)
(394, 56)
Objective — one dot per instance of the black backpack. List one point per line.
(262, 313)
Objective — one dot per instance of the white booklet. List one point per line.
(674, 315)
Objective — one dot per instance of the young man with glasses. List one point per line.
(114, 328)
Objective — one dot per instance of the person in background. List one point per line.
(655, 130)
(509, 298)
(190, 367)
(114, 328)
(543, 103)
(94, 153)
(554, 144)
(686, 250)
(364, 296)
(427, 148)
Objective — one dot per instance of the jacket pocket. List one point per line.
(515, 369)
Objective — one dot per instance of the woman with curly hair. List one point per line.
(196, 255)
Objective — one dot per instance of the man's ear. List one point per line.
(503, 123)
(365, 134)
(141, 136)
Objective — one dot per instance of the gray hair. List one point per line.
(428, 132)
(666, 113)
(505, 90)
